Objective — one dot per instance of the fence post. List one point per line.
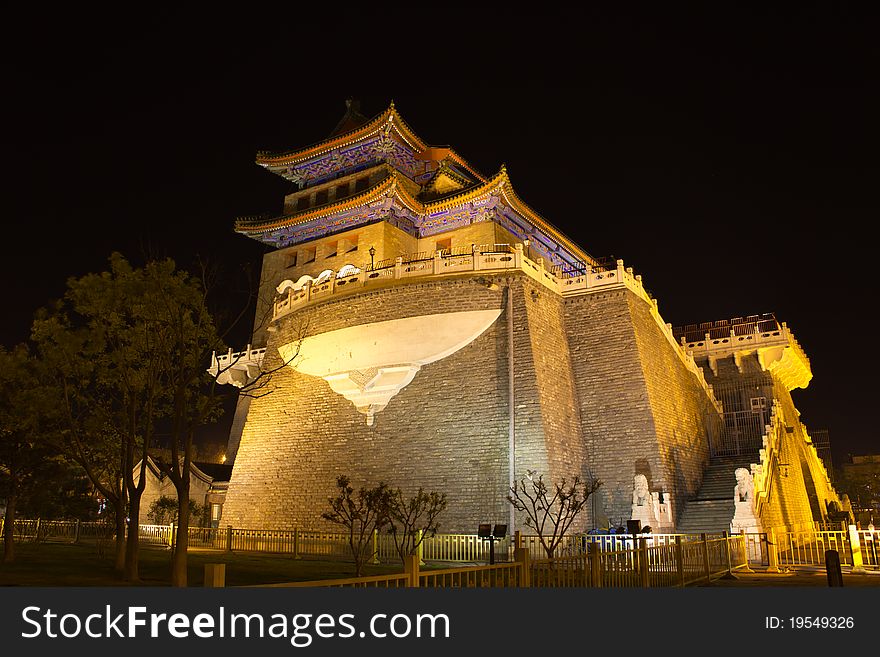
(595, 566)
(229, 538)
(745, 540)
(419, 552)
(521, 556)
(215, 575)
(726, 535)
(855, 547)
(76, 532)
(643, 562)
(705, 542)
(296, 554)
(772, 551)
(411, 568)
(832, 568)
(375, 547)
(37, 532)
(171, 535)
(679, 560)
(2, 522)
(517, 539)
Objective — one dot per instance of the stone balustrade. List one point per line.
(762, 473)
(237, 368)
(497, 258)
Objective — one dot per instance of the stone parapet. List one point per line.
(487, 259)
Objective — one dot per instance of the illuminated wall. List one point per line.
(598, 391)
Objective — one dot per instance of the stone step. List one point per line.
(709, 516)
(712, 508)
(719, 479)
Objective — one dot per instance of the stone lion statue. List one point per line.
(744, 490)
(641, 494)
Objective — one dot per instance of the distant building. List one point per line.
(861, 476)
(208, 485)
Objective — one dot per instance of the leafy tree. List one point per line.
(70, 495)
(101, 342)
(72, 367)
(165, 510)
(361, 514)
(24, 456)
(551, 513)
(186, 308)
(862, 487)
(412, 519)
(130, 349)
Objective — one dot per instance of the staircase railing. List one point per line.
(762, 473)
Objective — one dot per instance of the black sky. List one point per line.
(730, 158)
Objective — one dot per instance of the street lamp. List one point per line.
(372, 254)
(528, 251)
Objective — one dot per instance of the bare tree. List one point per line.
(551, 513)
(361, 514)
(411, 520)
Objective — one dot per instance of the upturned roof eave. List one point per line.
(371, 195)
(282, 158)
(500, 183)
(270, 159)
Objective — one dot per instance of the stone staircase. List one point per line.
(712, 509)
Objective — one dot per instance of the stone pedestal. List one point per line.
(744, 519)
(655, 514)
(646, 515)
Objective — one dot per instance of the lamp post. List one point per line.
(486, 531)
(526, 244)
(372, 254)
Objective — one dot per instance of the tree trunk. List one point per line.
(119, 558)
(9, 526)
(179, 558)
(132, 544)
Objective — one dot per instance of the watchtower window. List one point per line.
(342, 191)
(352, 244)
(308, 255)
(302, 203)
(332, 248)
(321, 197)
(362, 184)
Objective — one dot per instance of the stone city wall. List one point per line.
(445, 431)
(641, 410)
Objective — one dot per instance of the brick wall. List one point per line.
(642, 411)
(790, 506)
(615, 412)
(445, 431)
(598, 392)
(682, 412)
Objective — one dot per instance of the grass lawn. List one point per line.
(58, 564)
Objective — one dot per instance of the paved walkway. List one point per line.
(800, 577)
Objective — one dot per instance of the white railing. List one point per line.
(576, 544)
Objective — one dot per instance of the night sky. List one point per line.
(731, 159)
